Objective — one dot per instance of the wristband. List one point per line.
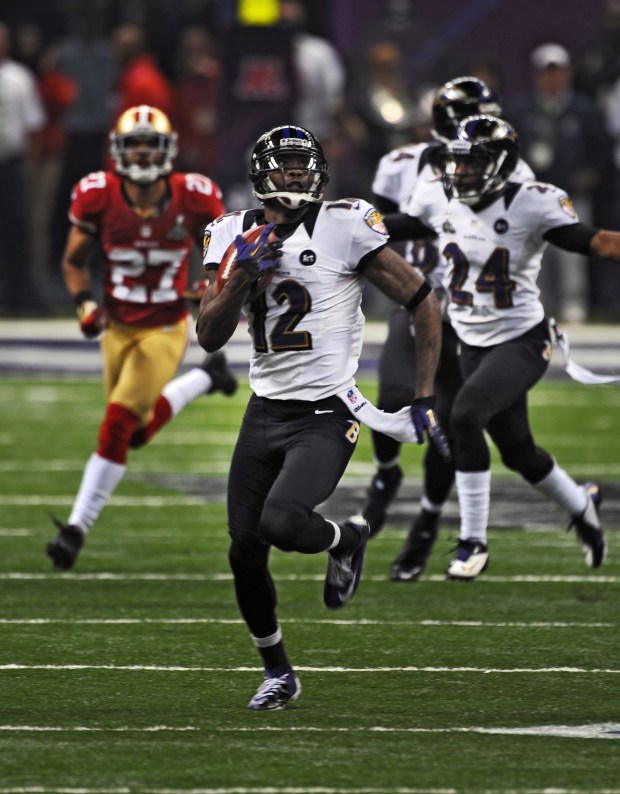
(84, 295)
(424, 290)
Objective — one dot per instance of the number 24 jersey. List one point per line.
(492, 257)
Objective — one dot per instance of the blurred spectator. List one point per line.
(85, 57)
(195, 114)
(140, 81)
(487, 70)
(563, 139)
(321, 84)
(21, 117)
(381, 98)
(58, 93)
(598, 67)
(28, 46)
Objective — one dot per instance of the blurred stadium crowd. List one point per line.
(225, 70)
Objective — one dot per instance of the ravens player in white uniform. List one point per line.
(397, 175)
(492, 233)
(298, 433)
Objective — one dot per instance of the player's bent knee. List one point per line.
(246, 557)
(281, 526)
(532, 463)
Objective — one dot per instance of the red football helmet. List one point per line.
(143, 144)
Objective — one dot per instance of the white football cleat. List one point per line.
(472, 558)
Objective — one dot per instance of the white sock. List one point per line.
(560, 486)
(99, 480)
(474, 492)
(387, 464)
(268, 642)
(431, 507)
(337, 534)
(183, 390)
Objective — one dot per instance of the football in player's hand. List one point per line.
(263, 258)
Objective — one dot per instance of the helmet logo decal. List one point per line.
(295, 143)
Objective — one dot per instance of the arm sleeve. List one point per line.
(576, 237)
(383, 204)
(406, 227)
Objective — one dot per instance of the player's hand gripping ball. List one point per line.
(257, 251)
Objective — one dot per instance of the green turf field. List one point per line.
(133, 673)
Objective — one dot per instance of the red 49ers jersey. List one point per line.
(146, 259)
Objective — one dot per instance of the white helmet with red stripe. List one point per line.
(143, 144)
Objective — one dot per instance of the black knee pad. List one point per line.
(282, 524)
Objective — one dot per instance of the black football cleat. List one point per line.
(64, 550)
(216, 366)
(411, 561)
(344, 571)
(588, 527)
(382, 490)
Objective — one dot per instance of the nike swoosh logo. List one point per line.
(318, 411)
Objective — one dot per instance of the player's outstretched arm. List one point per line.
(606, 244)
(401, 282)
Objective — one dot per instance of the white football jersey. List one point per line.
(491, 258)
(397, 173)
(307, 327)
(396, 178)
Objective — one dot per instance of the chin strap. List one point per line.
(576, 372)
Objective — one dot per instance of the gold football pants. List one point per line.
(138, 362)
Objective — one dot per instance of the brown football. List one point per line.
(228, 264)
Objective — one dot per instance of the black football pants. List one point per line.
(494, 397)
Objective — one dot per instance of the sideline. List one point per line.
(55, 346)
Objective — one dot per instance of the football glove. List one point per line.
(259, 255)
(425, 423)
(92, 318)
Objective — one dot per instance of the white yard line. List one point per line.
(155, 668)
(483, 624)
(226, 577)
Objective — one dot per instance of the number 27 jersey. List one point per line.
(146, 259)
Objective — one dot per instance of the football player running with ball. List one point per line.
(301, 424)
(491, 232)
(147, 219)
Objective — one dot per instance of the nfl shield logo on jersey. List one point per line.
(178, 231)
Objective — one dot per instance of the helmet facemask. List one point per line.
(269, 158)
(480, 161)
